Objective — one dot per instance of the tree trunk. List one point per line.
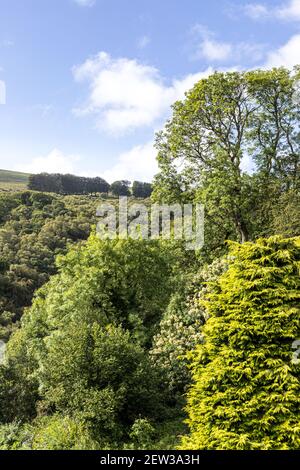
(242, 228)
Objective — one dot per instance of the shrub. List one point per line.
(101, 376)
(142, 433)
(15, 436)
(60, 432)
(246, 389)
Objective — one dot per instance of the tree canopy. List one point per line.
(67, 184)
(246, 387)
(120, 188)
(142, 190)
(225, 122)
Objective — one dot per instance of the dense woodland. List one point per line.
(142, 344)
(76, 185)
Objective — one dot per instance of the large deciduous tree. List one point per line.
(142, 190)
(225, 121)
(120, 188)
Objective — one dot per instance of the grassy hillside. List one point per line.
(13, 180)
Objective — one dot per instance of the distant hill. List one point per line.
(13, 180)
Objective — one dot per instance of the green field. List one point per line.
(13, 180)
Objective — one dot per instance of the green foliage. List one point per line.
(142, 433)
(18, 393)
(285, 215)
(142, 190)
(170, 432)
(120, 188)
(122, 281)
(7, 203)
(69, 353)
(99, 359)
(225, 119)
(96, 374)
(35, 228)
(57, 432)
(60, 432)
(67, 184)
(14, 436)
(99, 375)
(181, 327)
(13, 180)
(246, 388)
(164, 435)
(273, 134)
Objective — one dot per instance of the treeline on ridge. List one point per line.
(68, 184)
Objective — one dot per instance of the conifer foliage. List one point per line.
(246, 391)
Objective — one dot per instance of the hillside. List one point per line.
(125, 335)
(13, 180)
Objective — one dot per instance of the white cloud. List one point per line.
(206, 46)
(55, 162)
(125, 94)
(290, 11)
(288, 55)
(143, 42)
(213, 50)
(85, 3)
(287, 11)
(139, 163)
(256, 11)
(2, 92)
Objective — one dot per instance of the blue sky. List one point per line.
(88, 82)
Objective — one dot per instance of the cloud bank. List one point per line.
(55, 162)
(125, 95)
